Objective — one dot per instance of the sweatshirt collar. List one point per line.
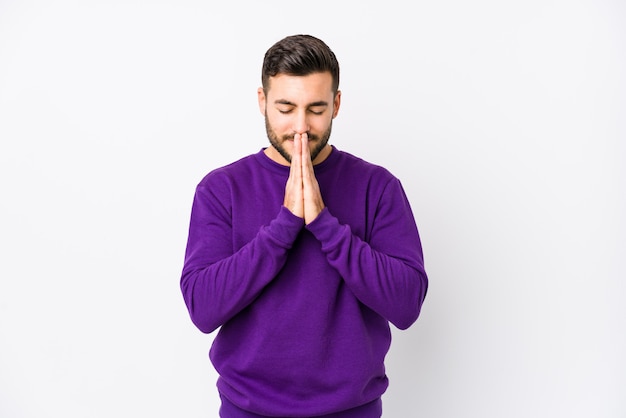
(272, 165)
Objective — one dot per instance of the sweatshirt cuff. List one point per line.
(285, 227)
(325, 226)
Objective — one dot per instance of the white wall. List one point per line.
(504, 120)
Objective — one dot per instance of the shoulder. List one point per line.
(357, 165)
(230, 172)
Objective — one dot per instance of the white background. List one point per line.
(504, 121)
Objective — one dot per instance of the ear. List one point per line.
(336, 103)
(262, 100)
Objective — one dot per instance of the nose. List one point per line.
(300, 123)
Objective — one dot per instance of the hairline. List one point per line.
(266, 86)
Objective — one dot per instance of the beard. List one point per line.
(320, 141)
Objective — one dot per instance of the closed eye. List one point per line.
(313, 111)
(317, 110)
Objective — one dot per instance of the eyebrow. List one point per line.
(288, 103)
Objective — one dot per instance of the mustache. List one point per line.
(312, 137)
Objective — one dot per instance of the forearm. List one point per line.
(216, 286)
(392, 283)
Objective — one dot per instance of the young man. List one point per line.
(302, 254)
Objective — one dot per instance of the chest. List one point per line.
(256, 201)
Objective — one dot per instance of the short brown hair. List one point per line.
(299, 55)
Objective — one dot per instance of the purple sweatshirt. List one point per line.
(304, 311)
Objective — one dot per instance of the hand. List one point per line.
(313, 202)
(294, 200)
(302, 193)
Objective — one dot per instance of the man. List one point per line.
(302, 254)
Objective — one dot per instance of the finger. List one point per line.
(296, 155)
(293, 190)
(295, 168)
(309, 182)
(307, 164)
(306, 153)
(313, 202)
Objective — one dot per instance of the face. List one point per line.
(298, 104)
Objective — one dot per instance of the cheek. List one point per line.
(321, 125)
(279, 122)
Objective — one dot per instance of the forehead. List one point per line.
(311, 87)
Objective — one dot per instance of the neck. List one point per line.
(324, 153)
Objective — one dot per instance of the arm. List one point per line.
(218, 282)
(387, 272)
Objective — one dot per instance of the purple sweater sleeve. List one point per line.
(387, 272)
(217, 282)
